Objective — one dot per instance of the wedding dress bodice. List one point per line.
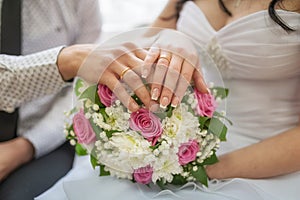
(259, 63)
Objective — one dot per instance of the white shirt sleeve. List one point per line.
(23, 78)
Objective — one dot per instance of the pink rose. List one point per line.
(83, 129)
(206, 104)
(146, 122)
(143, 175)
(107, 97)
(188, 152)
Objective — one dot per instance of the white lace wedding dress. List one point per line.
(260, 64)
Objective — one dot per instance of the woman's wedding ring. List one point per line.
(165, 56)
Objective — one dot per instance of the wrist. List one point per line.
(71, 58)
(67, 63)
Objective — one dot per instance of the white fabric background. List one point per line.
(122, 15)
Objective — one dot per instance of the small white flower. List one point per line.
(185, 174)
(156, 152)
(190, 178)
(95, 107)
(72, 133)
(66, 132)
(103, 135)
(87, 115)
(72, 142)
(195, 168)
(223, 113)
(88, 103)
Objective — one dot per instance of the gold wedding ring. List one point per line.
(165, 56)
(124, 72)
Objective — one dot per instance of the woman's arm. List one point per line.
(274, 156)
(168, 11)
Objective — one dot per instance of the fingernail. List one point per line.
(144, 73)
(134, 106)
(164, 102)
(154, 95)
(175, 102)
(208, 90)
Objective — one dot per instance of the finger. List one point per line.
(113, 83)
(159, 76)
(150, 59)
(121, 93)
(171, 79)
(134, 63)
(141, 53)
(183, 83)
(199, 80)
(135, 83)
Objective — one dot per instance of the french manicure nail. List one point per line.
(154, 95)
(164, 102)
(175, 102)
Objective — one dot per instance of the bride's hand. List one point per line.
(109, 66)
(177, 63)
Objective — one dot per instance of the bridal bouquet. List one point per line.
(171, 146)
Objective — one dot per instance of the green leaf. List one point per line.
(80, 150)
(217, 114)
(161, 184)
(91, 94)
(79, 83)
(93, 161)
(74, 110)
(104, 114)
(221, 92)
(169, 111)
(211, 160)
(203, 121)
(155, 146)
(200, 175)
(178, 180)
(93, 158)
(217, 127)
(110, 133)
(103, 172)
(97, 130)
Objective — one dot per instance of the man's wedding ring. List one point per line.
(124, 72)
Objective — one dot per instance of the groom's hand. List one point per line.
(110, 65)
(13, 154)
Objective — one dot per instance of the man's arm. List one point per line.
(23, 78)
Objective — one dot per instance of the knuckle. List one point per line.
(193, 58)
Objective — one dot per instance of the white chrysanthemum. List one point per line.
(119, 173)
(181, 127)
(125, 151)
(166, 166)
(117, 118)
